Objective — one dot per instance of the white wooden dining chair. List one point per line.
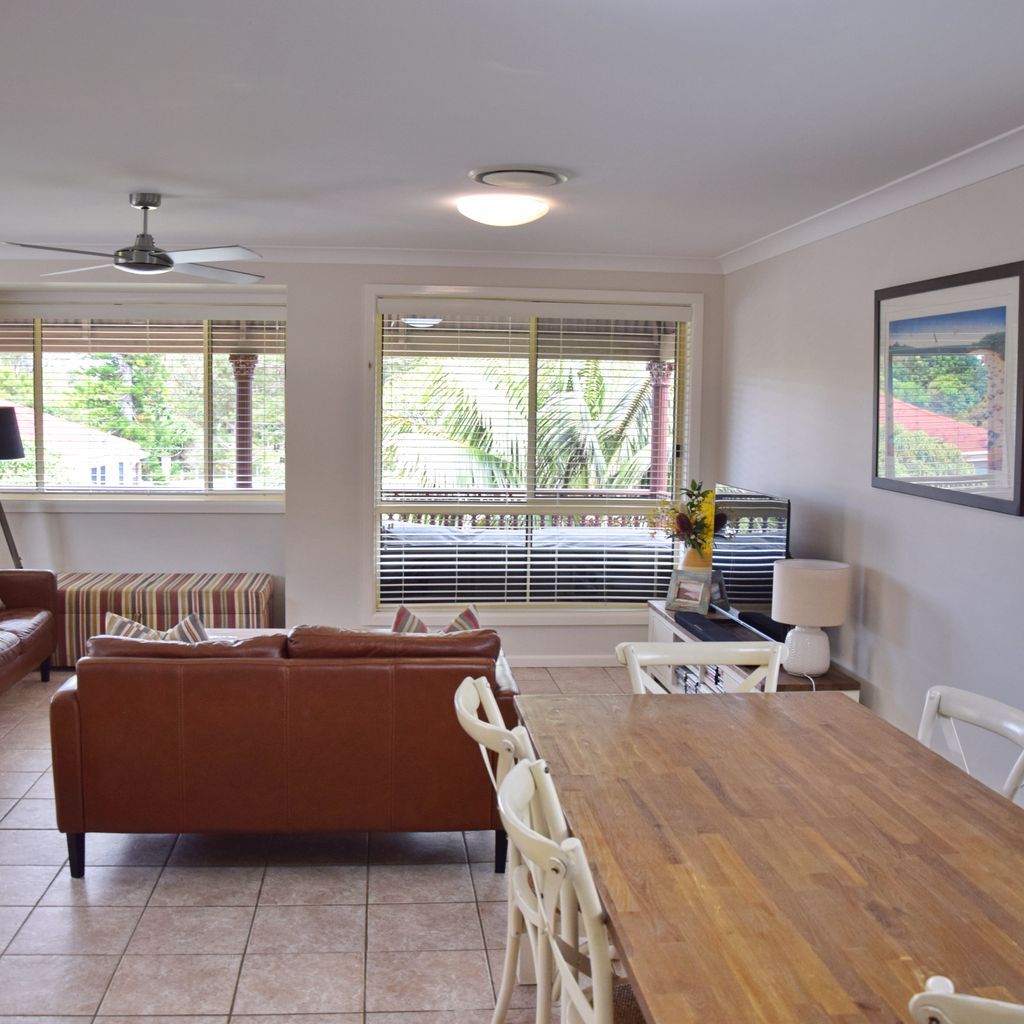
(555, 893)
(501, 748)
(765, 656)
(490, 732)
(940, 1003)
(946, 705)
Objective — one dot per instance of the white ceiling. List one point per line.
(691, 127)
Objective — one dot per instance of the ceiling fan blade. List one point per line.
(214, 254)
(78, 270)
(216, 273)
(57, 248)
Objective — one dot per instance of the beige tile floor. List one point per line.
(401, 928)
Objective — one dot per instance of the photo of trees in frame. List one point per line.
(948, 380)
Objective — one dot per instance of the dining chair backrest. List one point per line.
(555, 890)
(946, 705)
(490, 732)
(939, 1003)
(765, 656)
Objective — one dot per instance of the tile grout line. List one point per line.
(366, 934)
(248, 939)
(124, 952)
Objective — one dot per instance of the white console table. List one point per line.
(663, 628)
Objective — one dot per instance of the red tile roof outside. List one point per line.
(964, 436)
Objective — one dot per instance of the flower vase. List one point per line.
(695, 558)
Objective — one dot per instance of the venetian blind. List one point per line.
(519, 453)
(146, 404)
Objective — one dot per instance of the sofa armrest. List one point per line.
(66, 740)
(28, 588)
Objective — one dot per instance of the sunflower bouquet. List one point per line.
(693, 520)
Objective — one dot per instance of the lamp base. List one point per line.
(806, 652)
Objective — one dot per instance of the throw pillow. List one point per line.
(190, 630)
(407, 621)
(118, 625)
(466, 619)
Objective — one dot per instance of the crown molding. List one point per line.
(986, 160)
(501, 260)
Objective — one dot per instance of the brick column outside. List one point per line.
(243, 364)
(661, 426)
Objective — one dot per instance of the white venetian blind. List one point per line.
(123, 404)
(454, 407)
(145, 404)
(17, 389)
(520, 452)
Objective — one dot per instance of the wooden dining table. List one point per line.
(784, 858)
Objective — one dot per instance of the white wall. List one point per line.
(939, 596)
(323, 544)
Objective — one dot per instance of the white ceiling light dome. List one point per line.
(502, 209)
(509, 207)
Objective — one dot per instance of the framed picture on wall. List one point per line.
(949, 390)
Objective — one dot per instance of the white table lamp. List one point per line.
(808, 593)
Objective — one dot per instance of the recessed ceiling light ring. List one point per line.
(519, 177)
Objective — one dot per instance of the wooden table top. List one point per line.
(781, 858)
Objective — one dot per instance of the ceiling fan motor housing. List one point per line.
(143, 257)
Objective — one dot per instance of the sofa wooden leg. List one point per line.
(500, 850)
(44, 670)
(76, 854)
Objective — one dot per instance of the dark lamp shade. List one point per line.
(10, 436)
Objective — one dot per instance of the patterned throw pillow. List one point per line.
(118, 625)
(190, 630)
(407, 621)
(466, 619)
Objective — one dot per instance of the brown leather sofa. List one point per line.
(28, 623)
(319, 730)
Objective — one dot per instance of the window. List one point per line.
(520, 448)
(145, 405)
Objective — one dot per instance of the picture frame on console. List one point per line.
(949, 388)
(689, 590)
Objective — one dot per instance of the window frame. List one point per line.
(164, 302)
(617, 304)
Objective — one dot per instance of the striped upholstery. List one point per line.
(223, 600)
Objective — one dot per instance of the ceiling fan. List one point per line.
(144, 256)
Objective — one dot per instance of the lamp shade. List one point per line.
(810, 592)
(10, 436)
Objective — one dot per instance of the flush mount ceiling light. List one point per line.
(507, 209)
(501, 210)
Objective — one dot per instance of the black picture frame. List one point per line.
(979, 450)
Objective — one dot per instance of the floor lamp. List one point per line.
(10, 448)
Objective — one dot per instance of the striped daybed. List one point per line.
(223, 600)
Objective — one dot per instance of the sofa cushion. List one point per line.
(24, 623)
(271, 646)
(10, 648)
(328, 642)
